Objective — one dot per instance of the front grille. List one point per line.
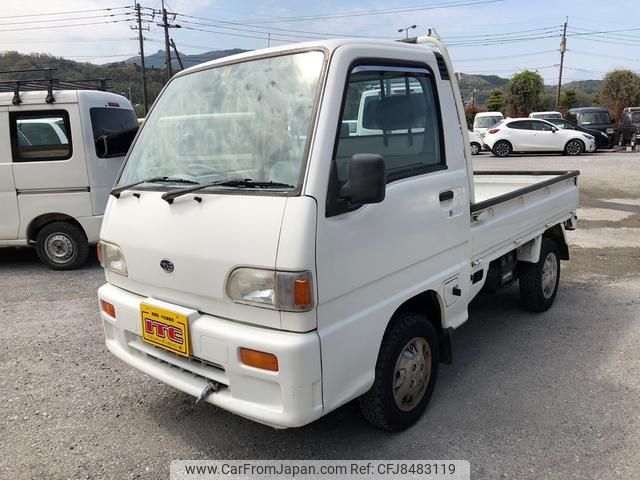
(193, 365)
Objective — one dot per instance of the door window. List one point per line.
(521, 125)
(40, 136)
(396, 115)
(113, 130)
(541, 126)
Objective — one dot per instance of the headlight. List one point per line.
(609, 130)
(588, 137)
(111, 258)
(289, 291)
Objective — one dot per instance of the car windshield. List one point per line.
(593, 118)
(486, 122)
(248, 120)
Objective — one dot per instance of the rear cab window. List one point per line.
(40, 136)
(113, 130)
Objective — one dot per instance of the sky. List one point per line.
(492, 37)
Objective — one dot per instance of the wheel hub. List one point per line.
(412, 374)
(549, 275)
(59, 248)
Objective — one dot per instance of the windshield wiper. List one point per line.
(244, 183)
(118, 190)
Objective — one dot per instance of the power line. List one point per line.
(67, 19)
(502, 57)
(63, 26)
(65, 13)
(363, 13)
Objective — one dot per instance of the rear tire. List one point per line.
(406, 372)
(62, 246)
(539, 281)
(573, 148)
(475, 148)
(502, 149)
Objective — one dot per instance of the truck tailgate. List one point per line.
(513, 207)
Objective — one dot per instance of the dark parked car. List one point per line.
(602, 139)
(594, 118)
(629, 127)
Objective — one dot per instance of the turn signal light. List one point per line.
(262, 360)
(302, 292)
(108, 308)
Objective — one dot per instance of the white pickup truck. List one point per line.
(263, 258)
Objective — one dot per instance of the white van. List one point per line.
(301, 266)
(485, 120)
(60, 151)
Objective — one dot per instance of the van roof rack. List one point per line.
(47, 82)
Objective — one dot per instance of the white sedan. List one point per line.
(535, 135)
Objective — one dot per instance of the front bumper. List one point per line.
(290, 397)
(590, 145)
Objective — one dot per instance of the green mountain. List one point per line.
(126, 77)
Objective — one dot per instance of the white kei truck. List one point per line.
(263, 257)
(61, 147)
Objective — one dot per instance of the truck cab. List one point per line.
(262, 258)
(60, 152)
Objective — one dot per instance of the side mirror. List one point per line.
(554, 129)
(367, 180)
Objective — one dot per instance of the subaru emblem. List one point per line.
(167, 265)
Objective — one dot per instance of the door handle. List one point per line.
(446, 195)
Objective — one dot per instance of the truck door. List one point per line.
(9, 219)
(370, 258)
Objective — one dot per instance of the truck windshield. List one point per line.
(244, 120)
(486, 122)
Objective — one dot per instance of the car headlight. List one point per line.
(588, 137)
(609, 130)
(111, 258)
(288, 291)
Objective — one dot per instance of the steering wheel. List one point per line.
(200, 169)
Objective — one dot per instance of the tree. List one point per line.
(524, 93)
(495, 101)
(568, 99)
(620, 89)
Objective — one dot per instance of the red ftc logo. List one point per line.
(161, 330)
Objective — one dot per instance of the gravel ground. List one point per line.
(548, 396)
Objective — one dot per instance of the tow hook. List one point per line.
(208, 388)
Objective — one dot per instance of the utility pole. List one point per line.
(165, 24)
(144, 72)
(175, 49)
(268, 39)
(563, 48)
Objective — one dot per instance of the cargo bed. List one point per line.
(512, 208)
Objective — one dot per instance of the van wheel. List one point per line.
(475, 148)
(539, 281)
(574, 148)
(62, 246)
(406, 372)
(502, 149)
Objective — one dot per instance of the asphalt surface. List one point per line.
(547, 396)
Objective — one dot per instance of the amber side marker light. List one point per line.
(302, 292)
(262, 360)
(108, 308)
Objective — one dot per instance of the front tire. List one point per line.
(539, 281)
(62, 246)
(574, 148)
(406, 372)
(502, 149)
